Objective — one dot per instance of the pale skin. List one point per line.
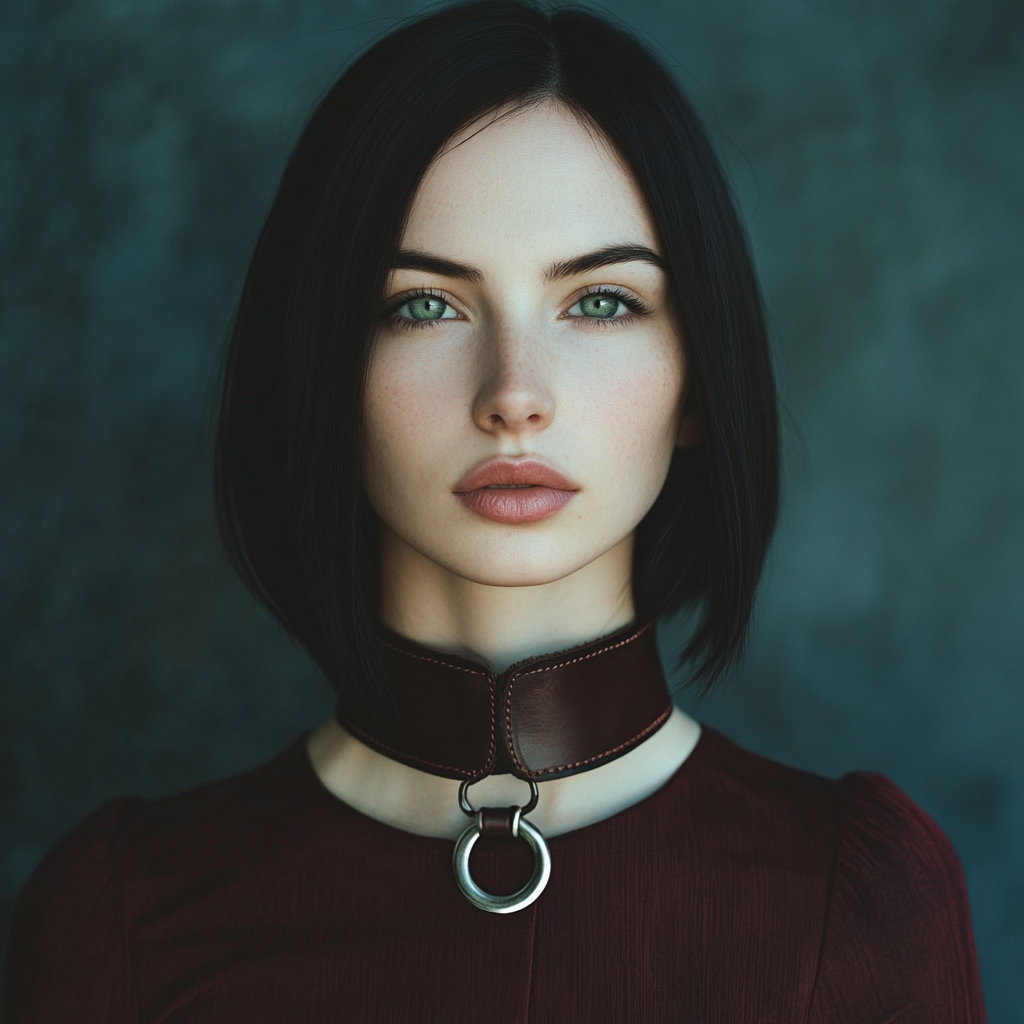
(523, 354)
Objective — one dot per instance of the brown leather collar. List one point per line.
(542, 718)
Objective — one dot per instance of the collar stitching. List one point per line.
(630, 742)
(582, 657)
(374, 742)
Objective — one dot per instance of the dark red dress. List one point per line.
(741, 891)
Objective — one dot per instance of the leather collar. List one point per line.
(543, 718)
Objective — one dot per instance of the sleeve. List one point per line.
(67, 959)
(897, 946)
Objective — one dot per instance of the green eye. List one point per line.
(426, 307)
(599, 306)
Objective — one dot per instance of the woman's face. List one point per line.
(524, 391)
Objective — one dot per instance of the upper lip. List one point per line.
(507, 471)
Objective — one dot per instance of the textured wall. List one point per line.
(877, 152)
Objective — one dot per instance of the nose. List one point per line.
(514, 396)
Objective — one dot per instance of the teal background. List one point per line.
(877, 151)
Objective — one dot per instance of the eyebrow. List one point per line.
(606, 257)
(414, 259)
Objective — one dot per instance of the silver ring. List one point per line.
(518, 900)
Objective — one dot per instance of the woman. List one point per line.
(499, 387)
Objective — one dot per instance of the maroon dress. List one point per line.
(742, 891)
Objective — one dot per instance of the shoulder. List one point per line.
(127, 830)
(78, 875)
(80, 866)
(68, 929)
(898, 938)
(223, 826)
(866, 821)
(744, 790)
(74, 916)
(887, 837)
(761, 830)
(896, 872)
(893, 940)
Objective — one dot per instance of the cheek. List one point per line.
(406, 400)
(636, 410)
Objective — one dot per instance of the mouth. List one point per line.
(515, 490)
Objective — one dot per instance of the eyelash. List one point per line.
(400, 300)
(636, 307)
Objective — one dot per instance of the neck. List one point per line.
(499, 626)
(502, 625)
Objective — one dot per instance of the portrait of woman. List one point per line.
(498, 399)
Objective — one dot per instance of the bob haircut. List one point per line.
(288, 462)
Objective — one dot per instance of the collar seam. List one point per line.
(534, 773)
(402, 754)
(573, 661)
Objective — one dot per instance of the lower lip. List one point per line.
(515, 504)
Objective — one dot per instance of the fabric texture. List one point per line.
(742, 891)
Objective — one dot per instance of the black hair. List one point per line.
(288, 473)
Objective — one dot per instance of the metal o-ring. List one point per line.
(468, 810)
(518, 900)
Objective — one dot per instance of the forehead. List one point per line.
(533, 185)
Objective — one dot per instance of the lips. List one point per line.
(515, 490)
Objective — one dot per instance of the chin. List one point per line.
(515, 565)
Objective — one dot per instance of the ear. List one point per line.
(688, 433)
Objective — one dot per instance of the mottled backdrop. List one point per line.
(877, 150)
